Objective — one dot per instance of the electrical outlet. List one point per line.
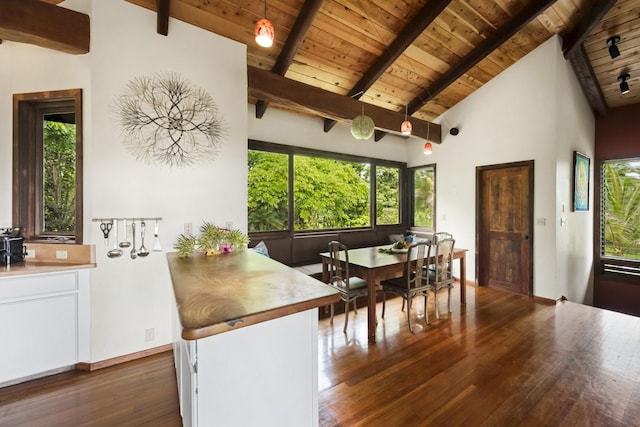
(149, 335)
(31, 253)
(188, 229)
(61, 254)
(228, 225)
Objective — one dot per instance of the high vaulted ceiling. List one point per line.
(422, 55)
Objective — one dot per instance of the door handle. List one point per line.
(526, 237)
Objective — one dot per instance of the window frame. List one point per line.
(292, 151)
(626, 269)
(412, 202)
(27, 197)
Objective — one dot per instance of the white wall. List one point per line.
(129, 296)
(529, 112)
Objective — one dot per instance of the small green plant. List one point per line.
(213, 240)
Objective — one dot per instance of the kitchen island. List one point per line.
(246, 340)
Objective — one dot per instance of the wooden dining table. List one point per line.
(374, 266)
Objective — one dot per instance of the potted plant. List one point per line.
(213, 240)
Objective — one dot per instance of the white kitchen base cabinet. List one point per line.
(260, 375)
(45, 324)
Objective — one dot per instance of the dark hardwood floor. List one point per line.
(502, 360)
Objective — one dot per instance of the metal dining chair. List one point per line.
(414, 283)
(440, 273)
(350, 288)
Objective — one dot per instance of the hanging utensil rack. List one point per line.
(113, 218)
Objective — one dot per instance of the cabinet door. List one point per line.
(41, 334)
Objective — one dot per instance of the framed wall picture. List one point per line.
(581, 168)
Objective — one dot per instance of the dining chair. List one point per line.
(350, 288)
(440, 235)
(440, 274)
(414, 282)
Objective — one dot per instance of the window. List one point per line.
(423, 185)
(300, 190)
(387, 195)
(620, 216)
(47, 198)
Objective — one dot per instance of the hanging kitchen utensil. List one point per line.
(125, 243)
(133, 253)
(156, 241)
(116, 251)
(105, 227)
(143, 252)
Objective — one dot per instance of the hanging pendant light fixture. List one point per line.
(427, 149)
(264, 31)
(405, 127)
(362, 126)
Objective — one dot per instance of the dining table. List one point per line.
(378, 263)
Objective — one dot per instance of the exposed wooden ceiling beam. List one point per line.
(162, 26)
(488, 45)
(588, 80)
(412, 31)
(45, 25)
(297, 34)
(594, 15)
(273, 87)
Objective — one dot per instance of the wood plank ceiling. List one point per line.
(422, 55)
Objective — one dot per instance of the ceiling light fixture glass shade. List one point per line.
(264, 32)
(612, 42)
(362, 127)
(405, 127)
(624, 86)
(427, 149)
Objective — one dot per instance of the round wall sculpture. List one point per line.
(167, 120)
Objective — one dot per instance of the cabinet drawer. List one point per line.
(34, 285)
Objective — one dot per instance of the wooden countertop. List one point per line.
(220, 293)
(24, 268)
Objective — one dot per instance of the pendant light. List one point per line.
(362, 126)
(405, 127)
(427, 149)
(264, 31)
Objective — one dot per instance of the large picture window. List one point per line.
(620, 213)
(423, 187)
(297, 190)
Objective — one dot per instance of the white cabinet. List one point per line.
(264, 374)
(44, 322)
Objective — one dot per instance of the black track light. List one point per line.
(612, 42)
(624, 86)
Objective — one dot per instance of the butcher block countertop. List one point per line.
(216, 294)
(45, 261)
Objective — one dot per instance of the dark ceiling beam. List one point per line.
(412, 31)
(572, 41)
(319, 102)
(488, 45)
(45, 25)
(162, 26)
(305, 18)
(588, 80)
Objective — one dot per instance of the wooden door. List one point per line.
(504, 232)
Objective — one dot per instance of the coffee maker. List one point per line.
(12, 249)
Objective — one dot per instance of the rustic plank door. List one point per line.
(504, 232)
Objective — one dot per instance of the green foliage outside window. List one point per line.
(327, 193)
(621, 209)
(423, 196)
(387, 195)
(330, 193)
(268, 191)
(59, 176)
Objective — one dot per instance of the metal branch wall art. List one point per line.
(165, 119)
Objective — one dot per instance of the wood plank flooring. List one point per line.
(502, 360)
